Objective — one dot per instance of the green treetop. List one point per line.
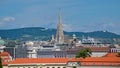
(84, 53)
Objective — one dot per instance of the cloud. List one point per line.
(111, 26)
(71, 27)
(0, 23)
(8, 19)
(4, 20)
(68, 27)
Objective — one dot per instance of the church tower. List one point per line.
(59, 33)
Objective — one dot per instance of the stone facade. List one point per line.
(59, 34)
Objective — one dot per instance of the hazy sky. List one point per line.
(77, 15)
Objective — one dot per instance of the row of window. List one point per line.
(55, 67)
(97, 64)
(37, 67)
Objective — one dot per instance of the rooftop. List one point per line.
(98, 49)
(4, 54)
(87, 61)
(111, 55)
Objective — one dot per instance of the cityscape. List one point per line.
(42, 47)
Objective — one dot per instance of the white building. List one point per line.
(31, 50)
(98, 51)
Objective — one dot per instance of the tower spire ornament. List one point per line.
(59, 33)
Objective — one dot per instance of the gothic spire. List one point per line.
(59, 34)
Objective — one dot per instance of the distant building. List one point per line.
(90, 41)
(59, 33)
(2, 42)
(115, 48)
(98, 51)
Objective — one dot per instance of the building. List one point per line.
(2, 42)
(98, 51)
(115, 48)
(90, 41)
(6, 58)
(59, 33)
(52, 54)
(38, 49)
(90, 62)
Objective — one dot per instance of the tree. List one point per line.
(74, 67)
(88, 52)
(1, 63)
(84, 53)
(118, 54)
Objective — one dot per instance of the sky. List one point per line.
(77, 15)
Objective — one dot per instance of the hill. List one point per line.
(39, 33)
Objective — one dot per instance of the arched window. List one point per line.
(34, 67)
(64, 67)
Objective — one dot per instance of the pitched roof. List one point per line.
(98, 48)
(4, 54)
(4, 63)
(65, 60)
(39, 60)
(102, 59)
(111, 55)
(5, 57)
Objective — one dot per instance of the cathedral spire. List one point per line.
(59, 33)
(59, 16)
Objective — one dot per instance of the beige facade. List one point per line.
(56, 66)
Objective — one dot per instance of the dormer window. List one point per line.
(73, 64)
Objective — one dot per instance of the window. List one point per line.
(64, 67)
(53, 67)
(110, 63)
(94, 63)
(84, 63)
(102, 63)
(58, 67)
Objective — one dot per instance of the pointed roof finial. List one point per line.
(59, 14)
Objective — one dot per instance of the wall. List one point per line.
(58, 66)
(98, 54)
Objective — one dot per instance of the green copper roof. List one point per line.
(2, 42)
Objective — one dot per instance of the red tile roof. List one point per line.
(98, 48)
(86, 61)
(102, 59)
(5, 58)
(4, 54)
(4, 63)
(39, 60)
(111, 55)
